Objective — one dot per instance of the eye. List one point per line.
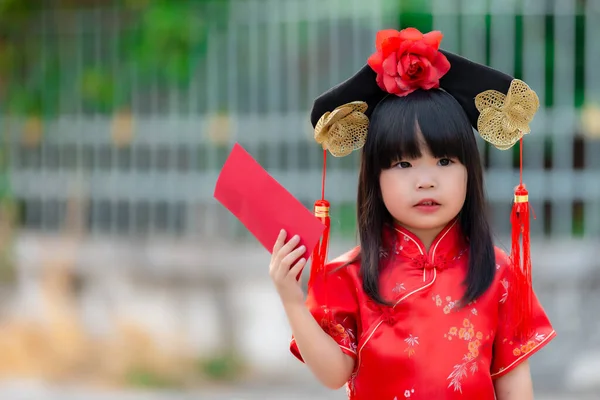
(403, 164)
(445, 162)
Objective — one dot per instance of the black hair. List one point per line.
(397, 128)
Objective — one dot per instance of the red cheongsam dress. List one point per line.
(425, 346)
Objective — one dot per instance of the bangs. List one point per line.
(401, 126)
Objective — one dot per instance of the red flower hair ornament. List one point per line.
(408, 60)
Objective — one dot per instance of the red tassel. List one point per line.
(520, 287)
(319, 256)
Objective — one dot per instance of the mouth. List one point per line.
(427, 203)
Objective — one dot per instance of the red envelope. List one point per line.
(262, 204)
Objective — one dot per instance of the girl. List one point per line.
(424, 308)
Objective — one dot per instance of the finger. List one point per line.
(289, 246)
(297, 268)
(283, 267)
(292, 257)
(278, 243)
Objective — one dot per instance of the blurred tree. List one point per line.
(158, 41)
(168, 37)
(416, 14)
(17, 61)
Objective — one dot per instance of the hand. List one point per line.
(285, 268)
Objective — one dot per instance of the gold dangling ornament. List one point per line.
(340, 132)
(503, 121)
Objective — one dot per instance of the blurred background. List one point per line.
(122, 277)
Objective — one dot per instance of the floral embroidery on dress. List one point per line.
(528, 346)
(398, 288)
(407, 394)
(342, 335)
(461, 371)
(398, 248)
(469, 361)
(350, 385)
(459, 255)
(504, 283)
(412, 342)
(465, 332)
(450, 304)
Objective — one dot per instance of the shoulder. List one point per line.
(502, 259)
(338, 282)
(345, 264)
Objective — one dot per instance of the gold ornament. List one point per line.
(504, 119)
(344, 129)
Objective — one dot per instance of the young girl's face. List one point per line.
(425, 193)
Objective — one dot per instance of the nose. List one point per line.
(426, 185)
(426, 181)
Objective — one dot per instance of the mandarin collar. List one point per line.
(400, 243)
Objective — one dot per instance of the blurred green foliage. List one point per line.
(166, 40)
(223, 367)
(145, 379)
(159, 42)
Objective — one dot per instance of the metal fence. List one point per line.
(151, 168)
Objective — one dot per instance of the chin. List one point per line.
(426, 223)
(430, 227)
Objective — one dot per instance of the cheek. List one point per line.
(459, 185)
(385, 186)
(391, 187)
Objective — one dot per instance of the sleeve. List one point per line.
(332, 301)
(508, 353)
